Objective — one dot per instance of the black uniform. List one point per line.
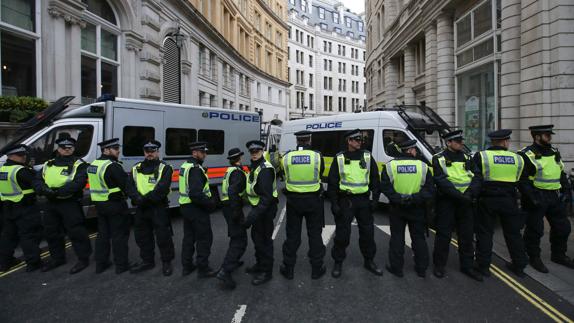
(197, 231)
(454, 210)
(311, 207)
(152, 215)
(114, 218)
(498, 199)
(233, 213)
(353, 206)
(262, 215)
(411, 214)
(22, 223)
(540, 203)
(63, 213)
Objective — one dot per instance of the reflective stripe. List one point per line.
(425, 170)
(16, 194)
(459, 179)
(315, 171)
(485, 165)
(500, 169)
(343, 176)
(407, 183)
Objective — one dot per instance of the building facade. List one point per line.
(230, 54)
(326, 59)
(481, 64)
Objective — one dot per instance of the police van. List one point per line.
(134, 122)
(382, 130)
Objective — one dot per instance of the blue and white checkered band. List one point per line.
(301, 160)
(16, 151)
(505, 160)
(255, 146)
(93, 169)
(407, 169)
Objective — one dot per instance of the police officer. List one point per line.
(354, 189)
(152, 179)
(63, 180)
(109, 186)
(407, 182)
(195, 205)
(499, 171)
(303, 168)
(261, 192)
(457, 188)
(547, 192)
(232, 194)
(21, 216)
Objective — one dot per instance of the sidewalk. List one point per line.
(560, 279)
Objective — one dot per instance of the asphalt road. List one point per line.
(357, 296)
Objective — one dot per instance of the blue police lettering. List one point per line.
(505, 160)
(3, 176)
(324, 125)
(300, 160)
(93, 169)
(231, 116)
(407, 169)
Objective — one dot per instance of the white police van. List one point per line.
(134, 122)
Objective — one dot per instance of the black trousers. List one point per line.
(237, 238)
(22, 223)
(453, 214)
(555, 212)
(261, 235)
(197, 234)
(506, 209)
(311, 208)
(113, 232)
(414, 218)
(66, 217)
(149, 221)
(354, 207)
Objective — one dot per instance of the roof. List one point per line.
(391, 116)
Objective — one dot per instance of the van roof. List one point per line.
(390, 116)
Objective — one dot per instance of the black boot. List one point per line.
(536, 263)
(52, 264)
(484, 271)
(188, 270)
(122, 269)
(438, 272)
(79, 266)
(516, 270)
(206, 272)
(9, 264)
(100, 268)
(337, 270)
(562, 260)
(470, 272)
(142, 266)
(318, 272)
(394, 271)
(261, 278)
(421, 273)
(373, 268)
(34, 266)
(167, 268)
(255, 269)
(226, 279)
(287, 271)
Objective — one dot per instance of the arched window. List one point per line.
(171, 71)
(100, 57)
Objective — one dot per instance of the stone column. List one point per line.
(430, 65)
(225, 104)
(445, 68)
(391, 80)
(409, 95)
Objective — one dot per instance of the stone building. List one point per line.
(326, 59)
(481, 64)
(219, 53)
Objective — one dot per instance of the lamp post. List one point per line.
(303, 111)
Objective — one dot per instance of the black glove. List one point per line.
(137, 201)
(49, 193)
(335, 209)
(249, 221)
(374, 205)
(566, 197)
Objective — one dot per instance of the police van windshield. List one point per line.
(43, 148)
(330, 143)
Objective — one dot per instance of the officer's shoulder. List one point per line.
(525, 150)
(341, 153)
(165, 164)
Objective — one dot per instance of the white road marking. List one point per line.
(278, 224)
(239, 314)
(387, 229)
(327, 233)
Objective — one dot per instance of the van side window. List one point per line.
(177, 141)
(215, 140)
(330, 143)
(134, 138)
(390, 140)
(44, 147)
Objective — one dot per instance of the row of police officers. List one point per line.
(471, 193)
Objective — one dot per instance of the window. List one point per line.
(43, 148)
(390, 139)
(338, 30)
(99, 43)
(361, 26)
(482, 19)
(134, 137)
(477, 52)
(351, 34)
(323, 26)
(420, 56)
(292, 2)
(322, 13)
(171, 72)
(463, 32)
(177, 141)
(348, 22)
(310, 60)
(215, 140)
(304, 5)
(330, 143)
(310, 80)
(401, 69)
(311, 101)
(336, 18)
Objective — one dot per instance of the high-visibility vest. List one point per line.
(548, 171)
(408, 176)
(252, 181)
(184, 181)
(353, 178)
(99, 190)
(145, 183)
(10, 190)
(58, 176)
(302, 171)
(274, 158)
(225, 183)
(456, 172)
(501, 166)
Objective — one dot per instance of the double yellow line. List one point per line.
(521, 290)
(44, 255)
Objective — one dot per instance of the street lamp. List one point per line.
(303, 111)
(178, 37)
